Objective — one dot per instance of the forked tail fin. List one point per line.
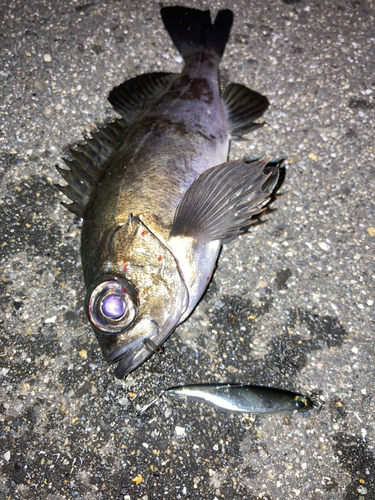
(191, 29)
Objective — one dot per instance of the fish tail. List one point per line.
(191, 30)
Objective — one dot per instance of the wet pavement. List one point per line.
(291, 304)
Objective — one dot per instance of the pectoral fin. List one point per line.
(222, 200)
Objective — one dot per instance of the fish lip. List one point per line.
(140, 352)
(131, 356)
(121, 353)
(136, 356)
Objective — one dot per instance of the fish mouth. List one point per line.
(135, 353)
(132, 360)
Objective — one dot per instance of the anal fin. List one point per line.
(222, 200)
(243, 106)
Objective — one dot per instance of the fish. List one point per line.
(240, 398)
(158, 195)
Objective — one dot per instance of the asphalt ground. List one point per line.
(291, 304)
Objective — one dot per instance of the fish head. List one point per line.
(136, 298)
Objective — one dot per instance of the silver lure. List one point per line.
(238, 398)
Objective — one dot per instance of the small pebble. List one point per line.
(180, 431)
(83, 354)
(324, 246)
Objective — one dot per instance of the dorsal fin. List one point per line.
(90, 159)
(129, 97)
(243, 106)
(89, 165)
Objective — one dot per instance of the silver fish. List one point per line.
(239, 398)
(157, 194)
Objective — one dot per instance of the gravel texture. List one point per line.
(291, 304)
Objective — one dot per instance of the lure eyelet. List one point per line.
(111, 304)
(301, 402)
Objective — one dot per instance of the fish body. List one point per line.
(238, 398)
(157, 194)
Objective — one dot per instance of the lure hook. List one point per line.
(148, 405)
(248, 421)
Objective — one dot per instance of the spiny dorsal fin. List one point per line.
(129, 97)
(222, 200)
(243, 106)
(89, 165)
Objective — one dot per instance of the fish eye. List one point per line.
(301, 402)
(111, 304)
